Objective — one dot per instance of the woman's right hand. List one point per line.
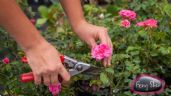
(46, 65)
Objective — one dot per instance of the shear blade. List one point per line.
(92, 71)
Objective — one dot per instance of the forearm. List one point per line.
(18, 25)
(74, 11)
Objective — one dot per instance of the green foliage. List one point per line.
(135, 50)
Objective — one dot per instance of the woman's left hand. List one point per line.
(90, 34)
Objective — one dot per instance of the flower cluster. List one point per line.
(101, 51)
(55, 89)
(128, 14)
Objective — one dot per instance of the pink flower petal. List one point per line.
(140, 24)
(55, 89)
(101, 51)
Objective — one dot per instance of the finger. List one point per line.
(103, 38)
(109, 58)
(92, 43)
(54, 79)
(64, 74)
(109, 42)
(37, 79)
(46, 79)
(104, 62)
(109, 61)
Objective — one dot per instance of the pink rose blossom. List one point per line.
(125, 23)
(24, 59)
(5, 60)
(149, 23)
(129, 14)
(55, 89)
(101, 51)
(152, 23)
(33, 21)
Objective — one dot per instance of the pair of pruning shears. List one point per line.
(73, 66)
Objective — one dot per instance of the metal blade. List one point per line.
(93, 71)
(79, 68)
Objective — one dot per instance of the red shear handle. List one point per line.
(28, 77)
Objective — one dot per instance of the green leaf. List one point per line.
(113, 10)
(110, 70)
(164, 50)
(104, 79)
(143, 33)
(132, 48)
(137, 60)
(41, 21)
(167, 9)
(43, 10)
(8, 67)
(159, 35)
(118, 57)
(96, 82)
(133, 53)
(154, 53)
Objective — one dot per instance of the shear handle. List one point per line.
(28, 77)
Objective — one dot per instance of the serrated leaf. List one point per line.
(8, 67)
(167, 9)
(132, 48)
(164, 50)
(104, 79)
(41, 21)
(43, 10)
(118, 57)
(110, 70)
(143, 33)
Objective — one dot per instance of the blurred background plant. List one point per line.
(133, 52)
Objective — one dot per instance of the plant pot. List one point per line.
(83, 88)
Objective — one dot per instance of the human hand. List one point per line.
(90, 34)
(45, 63)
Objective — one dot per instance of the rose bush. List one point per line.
(137, 49)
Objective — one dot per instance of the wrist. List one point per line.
(34, 44)
(75, 25)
